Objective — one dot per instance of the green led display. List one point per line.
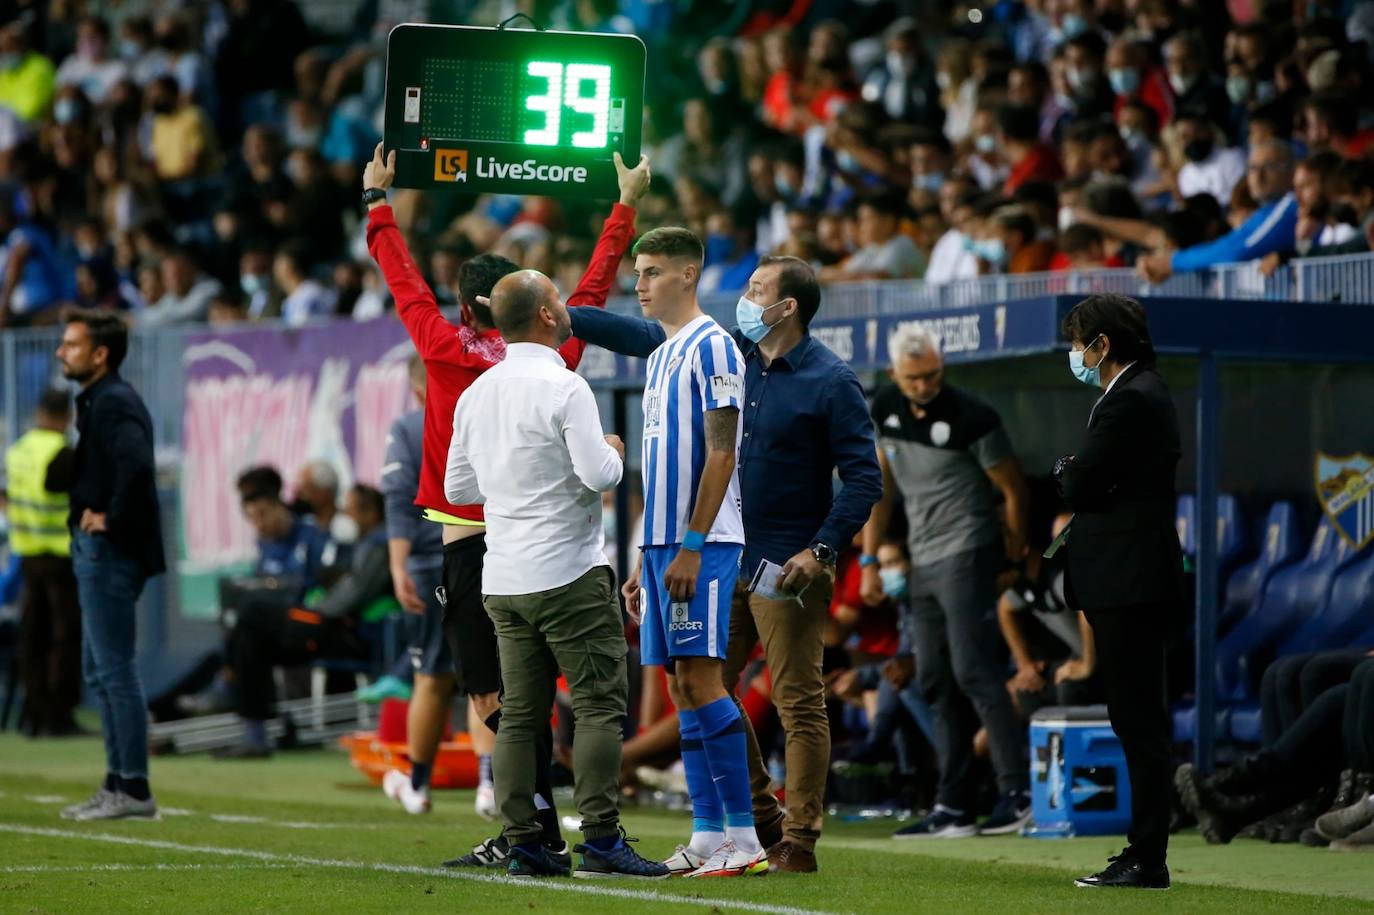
(567, 87)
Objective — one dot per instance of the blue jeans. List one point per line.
(109, 583)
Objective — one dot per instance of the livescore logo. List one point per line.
(451, 166)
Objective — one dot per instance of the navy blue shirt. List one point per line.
(299, 553)
(804, 416)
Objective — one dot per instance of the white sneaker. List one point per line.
(119, 806)
(672, 779)
(729, 861)
(485, 802)
(75, 811)
(684, 861)
(397, 786)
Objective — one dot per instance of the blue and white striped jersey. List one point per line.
(697, 369)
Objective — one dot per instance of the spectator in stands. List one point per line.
(958, 89)
(952, 257)
(1014, 245)
(708, 149)
(730, 252)
(904, 82)
(1051, 643)
(1018, 136)
(948, 454)
(328, 629)
(97, 285)
(1088, 93)
(183, 141)
(1317, 225)
(305, 297)
(91, 66)
(1210, 169)
(187, 292)
(31, 282)
(1082, 247)
(884, 252)
(1135, 77)
(1028, 85)
(1271, 228)
(930, 156)
(27, 78)
(1195, 88)
(1331, 122)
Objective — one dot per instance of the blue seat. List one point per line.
(1247, 723)
(1185, 721)
(1290, 598)
(1281, 547)
(1349, 608)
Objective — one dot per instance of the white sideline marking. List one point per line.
(89, 868)
(46, 798)
(305, 861)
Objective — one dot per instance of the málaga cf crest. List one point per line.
(1345, 489)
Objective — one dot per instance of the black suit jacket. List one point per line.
(1122, 547)
(114, 470)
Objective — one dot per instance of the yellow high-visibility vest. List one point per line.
(38, 518)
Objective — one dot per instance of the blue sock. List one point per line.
(707, 813)
(604, 843)
(727, 754)
(484, 769)
(419, 775)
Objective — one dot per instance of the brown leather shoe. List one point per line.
(789, 857)
(770, 833)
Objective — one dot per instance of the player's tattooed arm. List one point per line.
(722, 426)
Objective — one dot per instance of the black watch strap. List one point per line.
(824, 553)
(372, 195)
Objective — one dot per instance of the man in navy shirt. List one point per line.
(804, 417)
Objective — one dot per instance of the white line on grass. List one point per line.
(89, 868)
(304, 861)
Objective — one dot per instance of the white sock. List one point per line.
(704, 843)
(745, 838)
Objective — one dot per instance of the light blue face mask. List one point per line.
(749, 317)
(894, 582)
(931, 181)
(1087, 374)
(992, 250)
(1125, 80)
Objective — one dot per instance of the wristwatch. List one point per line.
(373, 195)
(823, 553)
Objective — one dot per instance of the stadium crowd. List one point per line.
(194, 162)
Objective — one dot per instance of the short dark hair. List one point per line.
(885, 203)
(796, 280)
(478, 276)
(261, 482)
(670, 241)
(370, 499)
(1016, 218)
(1079, 237)
(55, 403)
(1333, 107)
(1019, 122)
(1120, 318)
(107, 330)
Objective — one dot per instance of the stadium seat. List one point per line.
(1281, 546)
(1290, 598)
(1246, 723)
(1348, 610)
(1230, 529)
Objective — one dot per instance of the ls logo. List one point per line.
(451, 165)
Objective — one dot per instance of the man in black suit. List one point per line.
(1124, 564)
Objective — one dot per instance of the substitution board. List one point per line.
(512, 111)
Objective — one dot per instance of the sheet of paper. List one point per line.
(767, 582)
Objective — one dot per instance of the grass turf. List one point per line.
(303, 832)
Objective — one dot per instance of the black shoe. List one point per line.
(1013, 811)
(1300, 817)
(242, 751)
(618, 861)
(538, 863)
(1128, 872)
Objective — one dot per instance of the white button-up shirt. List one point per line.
(527, 444)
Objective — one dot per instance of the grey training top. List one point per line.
(940, 463)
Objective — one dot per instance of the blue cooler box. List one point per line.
(1079, 784)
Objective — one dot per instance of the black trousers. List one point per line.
(1290, 685)
(50, 642)
(265, 637)
(470, 633)
(1358, 725)
(1130, 660)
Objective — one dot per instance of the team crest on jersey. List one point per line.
(1345, 489)
(674, 363)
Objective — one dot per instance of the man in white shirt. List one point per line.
(528, 445)
(1208, 170)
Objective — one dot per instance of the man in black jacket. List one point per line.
(116, 547)
(1124, 564)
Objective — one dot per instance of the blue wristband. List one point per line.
(694, 541)
(867, 559)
